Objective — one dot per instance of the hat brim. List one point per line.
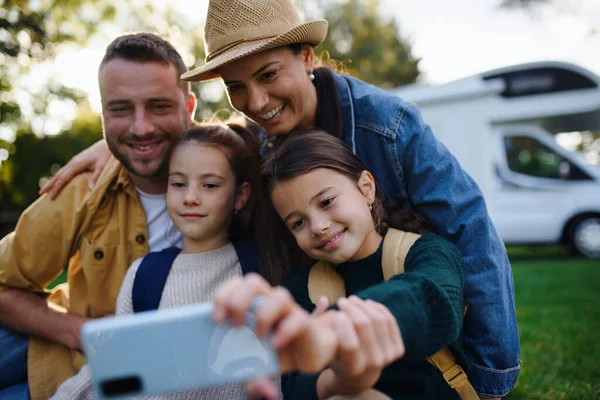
(312, 32)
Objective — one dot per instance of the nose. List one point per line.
(257, 99)
(319, 226)
(142, 123)
(191, 196)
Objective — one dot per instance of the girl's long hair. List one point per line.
(298, 154)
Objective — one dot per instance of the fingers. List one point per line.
(279, 307)
(357, 357)
(262, 388)
(322, 306)
(376, 341)
(395, 347)
(234, 299)
(95, 175)
(46, 188)
(62, 177)
(94, 158)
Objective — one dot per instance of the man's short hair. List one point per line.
(143, 48)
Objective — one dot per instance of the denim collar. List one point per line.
(347, 106)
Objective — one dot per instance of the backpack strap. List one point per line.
(396, 245)
(456, 377)
(323, 280)
(247, 254)
(150, 279)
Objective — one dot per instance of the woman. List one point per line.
(265, 56)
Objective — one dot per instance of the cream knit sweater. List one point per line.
(194, 278)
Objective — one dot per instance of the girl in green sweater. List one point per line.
(329, 209)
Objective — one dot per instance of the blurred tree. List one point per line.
(33, 32)
(366, 42)
(30, 34)
(32, 158)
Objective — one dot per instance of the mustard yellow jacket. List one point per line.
(98, 233)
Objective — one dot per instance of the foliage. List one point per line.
(368, 44)
(32, 158)
(558, 311)
(31, 32)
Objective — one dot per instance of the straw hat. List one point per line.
(237, 28)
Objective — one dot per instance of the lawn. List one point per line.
(558, 311)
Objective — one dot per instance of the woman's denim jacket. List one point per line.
(412, 166)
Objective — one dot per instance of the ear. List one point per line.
(308, 56)
(366, 184)
(242, 196)
(191, 104)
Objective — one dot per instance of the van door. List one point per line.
(538, 189)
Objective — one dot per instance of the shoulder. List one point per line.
(432, 245)
(376, 109)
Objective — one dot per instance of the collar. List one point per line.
(347, 106)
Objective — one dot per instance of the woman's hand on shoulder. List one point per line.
(369, 340)
(92, 159)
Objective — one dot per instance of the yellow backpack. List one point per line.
(324, 280)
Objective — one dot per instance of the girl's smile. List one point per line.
(328, 214)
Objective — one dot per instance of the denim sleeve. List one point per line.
(447, 197)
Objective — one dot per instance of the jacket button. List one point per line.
(140, 239)
(98, 255)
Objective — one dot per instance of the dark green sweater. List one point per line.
(427, 302)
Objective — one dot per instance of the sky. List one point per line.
(453, 39)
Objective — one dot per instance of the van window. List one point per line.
(526, 155)
(533, 81)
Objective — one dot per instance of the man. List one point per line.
(98, 233)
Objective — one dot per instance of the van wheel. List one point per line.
(585, 236)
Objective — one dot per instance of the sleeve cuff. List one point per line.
(491, 383)
(300, 386)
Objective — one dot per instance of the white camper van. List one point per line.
(501, 126)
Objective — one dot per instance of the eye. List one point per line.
(234, 87)
(327, 202)
(177, 184)
(161, 107)
(119, 110)
(267, 76)
(211, 185)
(296, 224)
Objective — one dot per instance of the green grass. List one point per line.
(558, 311)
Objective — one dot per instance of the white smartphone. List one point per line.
(172, 350)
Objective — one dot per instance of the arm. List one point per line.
(442, 192)
(31, 257)
(426, 299)
(29, 314)
(92, 159)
